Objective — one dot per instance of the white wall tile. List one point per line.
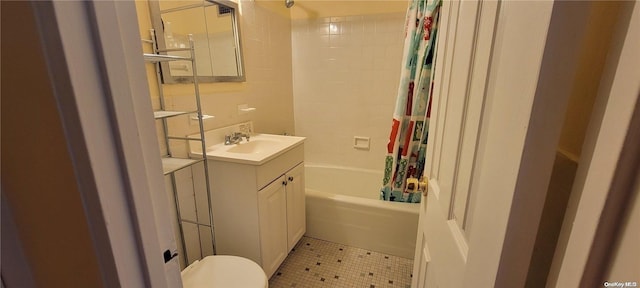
(186, 195)
(192, 241)
(206, 242)
(346, 72)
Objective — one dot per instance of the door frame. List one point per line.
(100, 85)
(595, 212)
(553, 86)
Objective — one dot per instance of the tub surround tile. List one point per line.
(353, 61)
(319, 263)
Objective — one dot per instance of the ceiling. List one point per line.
(310, 9)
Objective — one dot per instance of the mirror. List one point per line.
(216, 33)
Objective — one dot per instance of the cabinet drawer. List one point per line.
(271, 170)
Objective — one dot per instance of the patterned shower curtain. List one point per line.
(408, 139)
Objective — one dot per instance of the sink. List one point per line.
(260, 149)
(254, 146)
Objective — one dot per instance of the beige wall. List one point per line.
(37, 174)
(346, 74)
(591, 62)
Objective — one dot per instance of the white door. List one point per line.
(491, 144)
(272, 210)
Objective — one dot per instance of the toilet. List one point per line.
(223, 271)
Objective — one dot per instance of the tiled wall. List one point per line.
(345, 77)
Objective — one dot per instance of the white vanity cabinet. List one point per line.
(259, 210)
(282, 217)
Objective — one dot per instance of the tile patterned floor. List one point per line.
(317, 263)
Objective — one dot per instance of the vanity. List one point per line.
(257, 196)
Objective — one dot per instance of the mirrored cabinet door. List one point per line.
(215, 29)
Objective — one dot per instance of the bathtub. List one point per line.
(343, 207)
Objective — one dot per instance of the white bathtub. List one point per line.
(343, 207)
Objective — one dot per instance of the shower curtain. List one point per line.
(410, 125)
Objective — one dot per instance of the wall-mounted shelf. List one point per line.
(167, 114)
(170, 164)
(157, 58)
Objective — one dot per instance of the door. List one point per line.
(495, 122)
(296, 222)
(453, 134)
(272, 210)
(90, 52)
(596, 237)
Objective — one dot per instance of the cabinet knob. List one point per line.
(290, 178)
(284, 183)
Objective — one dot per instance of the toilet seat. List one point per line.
(225, 272)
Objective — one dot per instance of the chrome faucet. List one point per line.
(235, 138)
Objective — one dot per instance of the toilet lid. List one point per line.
(225, 272)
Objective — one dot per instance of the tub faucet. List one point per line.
(235, 138)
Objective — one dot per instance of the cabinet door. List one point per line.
(296, 222)
(272, 210)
